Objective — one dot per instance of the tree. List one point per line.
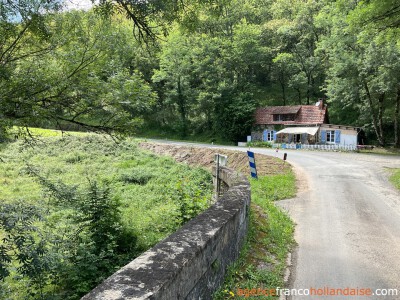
(294, 31)
(283, 68)
(61, 73)
(148, 15)
(175, 73)
(379, 14)
(363, 71)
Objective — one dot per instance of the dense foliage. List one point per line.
(204, 67)
(75, 209)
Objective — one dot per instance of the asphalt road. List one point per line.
(348, 222)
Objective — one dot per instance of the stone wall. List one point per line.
(192, 262)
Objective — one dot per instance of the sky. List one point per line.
(78, 4)
(69, 4)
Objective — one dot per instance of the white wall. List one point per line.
(346, 139)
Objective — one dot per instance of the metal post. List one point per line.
(218, 182)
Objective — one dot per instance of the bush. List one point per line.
(259, 144)
(191, 200)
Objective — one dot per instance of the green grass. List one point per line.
(42, 133)
(382, 151)
(154, 195)
(262, 262)
(395, 178)
(203, 137)
(259, 144)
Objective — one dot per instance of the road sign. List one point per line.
(221, 159)
(252, 162)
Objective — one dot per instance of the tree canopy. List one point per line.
(198, 67)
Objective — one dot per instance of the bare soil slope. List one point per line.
(204, 157)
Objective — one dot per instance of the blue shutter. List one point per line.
(337, 136)
(274, 135)
(290, 138)
(265, 134)
(323, 136)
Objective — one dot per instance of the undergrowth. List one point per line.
(75, 209)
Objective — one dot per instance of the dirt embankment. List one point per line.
(204, 157)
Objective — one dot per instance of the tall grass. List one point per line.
(80, 184)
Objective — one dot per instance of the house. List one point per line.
(301, 124)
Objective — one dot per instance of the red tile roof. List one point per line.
(305, 114)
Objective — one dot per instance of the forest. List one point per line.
(197, 69)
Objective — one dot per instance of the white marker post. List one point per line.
(220, 160)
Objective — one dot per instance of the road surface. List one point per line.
(348, 223)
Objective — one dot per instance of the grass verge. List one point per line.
(395, 178)
(382, 151)
(204, 137)
(262, 262)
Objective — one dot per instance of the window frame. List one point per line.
(330, 136)
(284, 117)
(270, 136)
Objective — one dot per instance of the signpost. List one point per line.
(252, 162)
(220, 160)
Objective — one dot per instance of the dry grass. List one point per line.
(204, 157)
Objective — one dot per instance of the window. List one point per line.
(270, 136)
(284, 117)
(330, 136)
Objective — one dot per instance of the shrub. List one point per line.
(24, 245)
(190, 199)
(260, 144)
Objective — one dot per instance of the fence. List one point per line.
(318, 147)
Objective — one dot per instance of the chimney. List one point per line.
(321, 104)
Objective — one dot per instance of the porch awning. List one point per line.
(299, 130)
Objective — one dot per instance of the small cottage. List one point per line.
(301, 124)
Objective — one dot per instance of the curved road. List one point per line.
(348, 222)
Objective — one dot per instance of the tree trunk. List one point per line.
(182, 108)
(298, 95)
(282, 81)
(376, 119)
(381, 99)
(308, 87)
(396, 121)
